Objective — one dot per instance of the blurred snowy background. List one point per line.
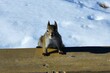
(80, 22)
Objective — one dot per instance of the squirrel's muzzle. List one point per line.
(52, 34)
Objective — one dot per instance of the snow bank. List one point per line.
(80, 22)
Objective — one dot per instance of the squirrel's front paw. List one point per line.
(45, 54)
(61, 52)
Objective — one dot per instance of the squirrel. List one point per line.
(51, 39)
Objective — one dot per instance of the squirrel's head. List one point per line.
(52, 29)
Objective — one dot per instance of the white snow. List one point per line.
(80, 22)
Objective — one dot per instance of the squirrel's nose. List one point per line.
(52, 34)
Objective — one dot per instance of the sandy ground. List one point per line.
(30, 60)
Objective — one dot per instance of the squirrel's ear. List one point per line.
(55, 23)
(48, 23)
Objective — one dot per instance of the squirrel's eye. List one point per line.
(47, 30)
